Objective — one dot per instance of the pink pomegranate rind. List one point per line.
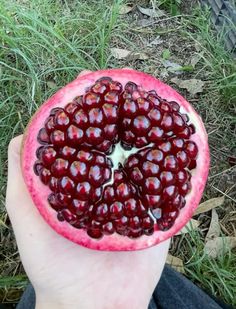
(40, 192)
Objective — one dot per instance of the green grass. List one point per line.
(215, 276)
(45, 44)
(216, 59)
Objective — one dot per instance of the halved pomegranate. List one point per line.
(116, 160)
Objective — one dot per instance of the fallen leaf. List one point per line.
(193, 86)
(156, 41)
(125, 9)
(210, 204)
(51, 84)
(214, 228)
(190, 226)
(151, 12)
(173, 67)
(120, 53)
(219, 245)
(196, 58)
(176, 263)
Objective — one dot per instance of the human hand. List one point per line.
(65, 274)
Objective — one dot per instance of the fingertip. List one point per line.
(15, 145)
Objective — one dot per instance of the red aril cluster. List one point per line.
(143, 193)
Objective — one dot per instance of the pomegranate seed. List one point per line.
(83, 190)
(96, 175)
(109, 194)
(110, 112)
(78, 170)
(99, 88)
(80, 118)
(108, 228)
(49, 124)
(154, 99)
(122, 192)
(169, 192)
(185, 133)
(152, 201)
(155, 134)
(63, 200)
(167, 178)
(68, 153)
(152, 185)
(43, 137)
(144, 105)
(95, 116)
(52, 200)
(61, 120)
(179, 122)
(170, 163)
(91, 100)
(191, 149)
(85, 156)
(165, 106)
(94, 135)
(112, 97)
(102, 212)
(130, 207)
(48, 156)
(78, 207)
(59, 167)
(129, 108)
(116, 210)
(45, 175)
(58, 138)
(67, 185)
(70, 108)
(131, 87)
(182, 158)
(155, 156)
(175, 106)
(54, 184)
(185, 188)
(167, 122)
(155, 116)
(150, 169)
(141, 125)
(182, 177)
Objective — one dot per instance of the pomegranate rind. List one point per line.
(39, 193)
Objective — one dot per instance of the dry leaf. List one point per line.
(196, 58)
(173, 67)
(210, 204)
(214, 228)
(151, 12)
(193, 86)
(190, 226)
(120, 53)
(176, 263)
(219, 245)
(125, 9)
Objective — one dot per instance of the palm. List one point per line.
(62, 270)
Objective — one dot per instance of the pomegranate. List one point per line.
(116, 160)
